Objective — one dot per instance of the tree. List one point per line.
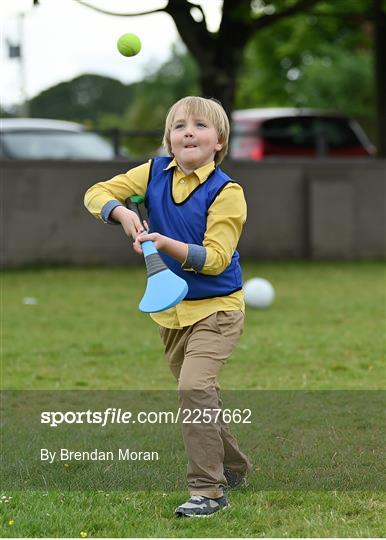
(82, 98)
(135, 113)
(6, 114)
(313, 61)
(219, 54)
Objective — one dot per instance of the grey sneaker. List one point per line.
(235, 479)
(199, 506)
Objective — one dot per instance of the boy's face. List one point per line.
(194, 141)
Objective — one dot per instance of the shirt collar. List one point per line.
(202, 173)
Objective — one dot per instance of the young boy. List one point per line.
(196, 214)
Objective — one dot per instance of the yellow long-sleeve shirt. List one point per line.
(226, 217)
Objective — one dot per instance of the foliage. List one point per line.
(311, 61)
(6, 113)
(341, 81)
(314, 58)
(82, 99)
(103, 103)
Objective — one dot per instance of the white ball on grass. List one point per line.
(258, 293)
(30, 301)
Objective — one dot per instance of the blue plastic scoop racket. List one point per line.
(164, 289)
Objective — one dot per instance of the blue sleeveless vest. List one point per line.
(186, 222)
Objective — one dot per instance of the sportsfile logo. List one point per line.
(111, 415)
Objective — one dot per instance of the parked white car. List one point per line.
(35, 138)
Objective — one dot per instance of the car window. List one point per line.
(55, 145)
(304, 132)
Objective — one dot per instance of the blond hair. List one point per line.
(206, 108)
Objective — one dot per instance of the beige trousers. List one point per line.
(196, 354)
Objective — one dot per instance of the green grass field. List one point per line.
(325, 331)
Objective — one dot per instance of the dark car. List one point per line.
(34, 138)
(264, 133)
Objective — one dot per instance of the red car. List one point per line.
(264, 133)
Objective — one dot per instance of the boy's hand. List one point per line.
(169, 246)
(129, 220)
(159, 240)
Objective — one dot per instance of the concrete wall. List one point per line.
(317, 209)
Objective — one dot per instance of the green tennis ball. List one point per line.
(129, 44)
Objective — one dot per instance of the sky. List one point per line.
(62, 39)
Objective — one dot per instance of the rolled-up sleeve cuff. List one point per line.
(195, 259)
(107, 209)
